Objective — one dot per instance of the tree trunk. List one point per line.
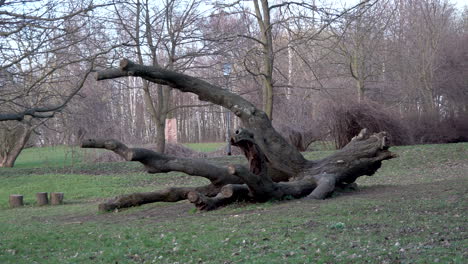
(56, 198)
(16, 200)
(161, 134)
(42, 199)
(262, 13)
(12, 143)
(277, 170)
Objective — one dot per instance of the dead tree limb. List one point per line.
(155, 162)
(158, 163)
(279, 152)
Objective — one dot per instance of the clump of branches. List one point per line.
(345, 120)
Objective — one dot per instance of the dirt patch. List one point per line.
(157, 213)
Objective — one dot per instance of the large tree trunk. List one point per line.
(276, 169)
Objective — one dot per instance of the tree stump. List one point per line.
(42, 198)
(56, 198)
(16, 200)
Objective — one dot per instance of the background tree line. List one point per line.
(318, 70)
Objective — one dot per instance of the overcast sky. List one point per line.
(459, 4)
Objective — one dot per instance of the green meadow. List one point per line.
(414, 210)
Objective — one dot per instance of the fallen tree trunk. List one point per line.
(276, 169)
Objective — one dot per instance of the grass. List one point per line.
(413, 210)
(55, 156)
(205, 147)
(63, 156)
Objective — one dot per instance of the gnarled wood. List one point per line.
(156, 163)
(228, 194)
(173, 194)
(276, 169)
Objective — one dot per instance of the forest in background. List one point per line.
(320, 70)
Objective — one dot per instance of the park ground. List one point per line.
(414, 210)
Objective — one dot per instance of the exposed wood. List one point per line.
(42, 199)
(56, 198)
(173, 194)
(228, 194)
(16, 200)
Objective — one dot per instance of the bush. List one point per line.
(429, 129)
(346, 121)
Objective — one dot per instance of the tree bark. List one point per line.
(277, 170)
(172, 194)
(56, 198)
(228, 194)
(12, 145)
(42, 199)
(16, 200)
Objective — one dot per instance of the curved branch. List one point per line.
(48, 111)
(184, 83)
(156, 162)
(278, 151)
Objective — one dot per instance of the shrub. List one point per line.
(346, 121)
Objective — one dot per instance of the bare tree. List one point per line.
(167, 36)
(418, 33)
(36, 63)
(361, 45)
(295, 21)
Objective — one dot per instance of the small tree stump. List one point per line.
(42, 198)
(56, 198)
(16, 200)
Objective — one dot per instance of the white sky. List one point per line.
(459, 4)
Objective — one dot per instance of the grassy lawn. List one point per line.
(55, 156)
(414, 210)
(61, 156)
(205, 147)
